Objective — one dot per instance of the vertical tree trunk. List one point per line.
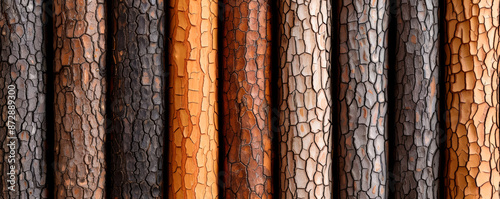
(193, 125)
(363, 98)
(79, 98)
(22, 65)
(416, 156)
(305, 102)
(472, 50)
(246, 99)
(137, 100)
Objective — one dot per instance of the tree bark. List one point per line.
(362, 98)
(472, 50)
(193, 125)
(246, 99)
(137, 100)
(416, 156)
(80, 89)
(23, 65)
(306, 101)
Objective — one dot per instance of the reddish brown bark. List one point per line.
(246, 99)
(79, 70)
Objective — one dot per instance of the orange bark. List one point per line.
(193, 122)
(472, 50)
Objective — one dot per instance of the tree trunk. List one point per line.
(416, 156)
(80, 89)
(306, 101)
(362, 98)
(23, 91)
(137, 100)
(246, 99)
(193, 124)
(472, 50)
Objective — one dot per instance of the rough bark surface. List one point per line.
(23, 64)
(79, 71)
(416, 156)
(362, 150)
(137, 99)
(246, 99)
(472, 50)
(193, 125)
(305, 99)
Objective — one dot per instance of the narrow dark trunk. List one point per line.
(22, 92)
(416, 157)
(137, 100)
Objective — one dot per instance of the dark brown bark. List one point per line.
(80, 90)
(137, 100)
(416, 157)
(246, 128)
(23, 65)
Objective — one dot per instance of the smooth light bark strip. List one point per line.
(137, 99)
(472, 50)
(80, 87)
(246, 101)
(193, 125)
(23, 65)
(362, 98)
(416, 156)
(306, 101)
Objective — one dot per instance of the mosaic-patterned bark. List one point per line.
(416, 156)
(305, 102)
(246, 99)
(22, 64)
(362, 102)
(79, 70)
(472, 50)
(137, 100)
(193, 126)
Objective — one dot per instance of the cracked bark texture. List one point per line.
(22, 63)
(362, 152)
(137, 99)
(416, 156)
(471, 46)
(246, 62)
(193, 125)
(305, 99)
(80, 87)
